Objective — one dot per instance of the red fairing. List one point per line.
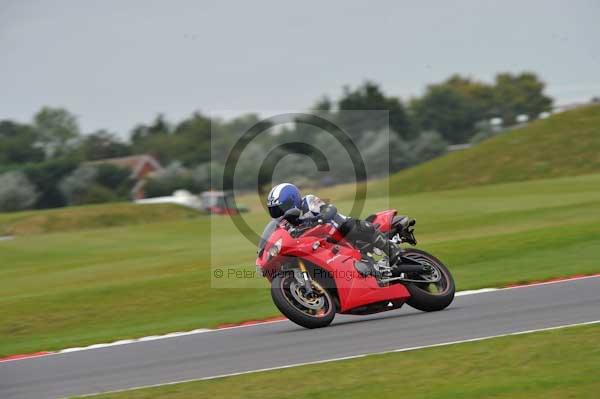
(334, 260)
(384, 219)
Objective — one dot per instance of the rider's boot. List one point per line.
(391, 250)
(367, 238)
(367, 267)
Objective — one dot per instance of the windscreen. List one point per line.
(269, 229)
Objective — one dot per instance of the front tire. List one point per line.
(430, 297)
(287, 296)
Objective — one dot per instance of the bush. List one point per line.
(175, 177)
(208, 175)
(115, 178)
(98, 194)
(46, 177)
(160, 186)
(16, 192)
(94, 184)
(428, 145)
(75, 186)
(482, 136)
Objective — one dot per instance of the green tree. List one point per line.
(75, 186)
(102, 145)
(174, 177)
(192, 140)
(160, 127)
(46, 177)
(369, 97)
(94, 184)
(519, 94)
(156, 139)
(116, 179)
(18, 144)
(323, 104)
(56, 128)
(453, 107)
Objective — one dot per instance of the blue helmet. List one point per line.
(282, 198)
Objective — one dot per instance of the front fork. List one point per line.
(302, 276)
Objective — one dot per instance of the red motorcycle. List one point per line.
(315, 272)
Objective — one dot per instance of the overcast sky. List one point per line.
(117, 63)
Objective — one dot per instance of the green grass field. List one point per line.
(77, 288)
(551, 364)
(78, 218)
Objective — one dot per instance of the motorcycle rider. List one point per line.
(361, 233)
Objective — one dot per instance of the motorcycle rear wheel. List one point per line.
(308, 314)
(430, 297)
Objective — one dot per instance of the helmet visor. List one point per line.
(276, 211)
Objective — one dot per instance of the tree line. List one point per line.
(42, 163)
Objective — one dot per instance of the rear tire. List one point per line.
(293, 310)
(420, 297)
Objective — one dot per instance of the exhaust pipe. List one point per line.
(406, 268)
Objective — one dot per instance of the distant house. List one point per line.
(140, 165)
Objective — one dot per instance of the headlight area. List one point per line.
(275, 248)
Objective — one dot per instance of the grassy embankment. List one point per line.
(566, 144)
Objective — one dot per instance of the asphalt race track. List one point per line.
(279, 344)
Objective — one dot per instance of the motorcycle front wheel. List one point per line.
(309, 311)
(430, 297)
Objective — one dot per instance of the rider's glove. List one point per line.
(328, 212)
